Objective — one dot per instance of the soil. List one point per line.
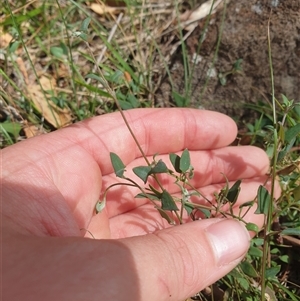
(244, 39)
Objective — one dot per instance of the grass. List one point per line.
(48, 63)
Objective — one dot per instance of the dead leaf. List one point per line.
(56, 116)
(63, 71)
(5, 39)
(32, 131)
(22, 68)
(201, 12)
(102, 9)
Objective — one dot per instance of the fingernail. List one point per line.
(229, 240)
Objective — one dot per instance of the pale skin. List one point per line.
(51, 183)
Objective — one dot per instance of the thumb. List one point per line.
(171, 264)
(178, 262)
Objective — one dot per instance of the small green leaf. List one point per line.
(284, 258)
(292, 133)
(116, 77)
(243, 283)
(95, 76)
(57, 51)
(160, 167)
(206, 212)
(142, 172)
(167, 202)
(185, 161)
(296, 193)
(14, 46)
(133, 101)
(248, 269)
(272, 272)
(118, 165)
(175, 160)
(94, 89)
(263, 201)
(291, 231)
(237, 66)
(85, 24)
(150, 196)
(12, 128)
(233, 192)
(286, 101)
(83, 36)
(252, 227)
(247, 204)
(180, 100)
(286, 149)
(155, 191)
(125, 105)
(254, 251)
(165, 215)
(188, 208)
(222, 79)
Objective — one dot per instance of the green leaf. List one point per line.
(94, 89)
(28, 16)
(291, 231)
(14, 46)
(286, 101)
(165, 215)
(85, 24)
(263, 201)
(118, 165)
(160, 167)
(292, 133)
(142, 172)
(243, 283)
(296, 193)
(284, 258)
(206, 212)
(248, 269)
(179, 99)
(57, 51)
(247, 204)
(12, 128)
(175, 160)
(83, 36)
(185, 161)
(133, 101)
(233, 192)
(254, 251)
(167, 202)
(116, 77)
(252, 227)
(125, 105)
(286, 149)
(155, 191)
(188, 208)
(150, 196)
(272, 272)
(95, 76)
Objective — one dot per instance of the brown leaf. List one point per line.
(32, 131)
(56, 116)
(102, 9)
(5, 39)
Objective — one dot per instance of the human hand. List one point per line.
(51, 183)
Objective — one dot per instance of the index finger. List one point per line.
(157, 130)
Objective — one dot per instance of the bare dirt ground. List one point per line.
(244, 38)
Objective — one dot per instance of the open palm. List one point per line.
(51, 183)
